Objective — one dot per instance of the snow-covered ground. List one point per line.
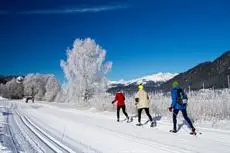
(3, 133)
(54, 127)
(1, 98)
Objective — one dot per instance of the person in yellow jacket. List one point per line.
(143, 103)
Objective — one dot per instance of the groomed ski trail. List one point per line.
(90, 131)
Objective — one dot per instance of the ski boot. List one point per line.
(139, 124)
(173, 131)
(193, 132)
(153, 124)
(127, 118)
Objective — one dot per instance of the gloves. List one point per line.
(170, 109)
(136, 100)
(113, 102)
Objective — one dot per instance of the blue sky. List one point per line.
(141, 36)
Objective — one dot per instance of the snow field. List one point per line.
(100, 132)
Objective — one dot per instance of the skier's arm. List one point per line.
(148, 99)
(136, 99)
(148, 96)
(173, 95)
(115, 99)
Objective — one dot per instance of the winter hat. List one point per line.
(140, 86)
(175, 84)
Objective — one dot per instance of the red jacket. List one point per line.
(120, 98)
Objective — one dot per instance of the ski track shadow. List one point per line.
(146, 122)
(186, 123)
(6, 113)
(157, 118)
(182, 124)
(132, 118)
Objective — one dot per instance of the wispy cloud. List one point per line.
(73, 10)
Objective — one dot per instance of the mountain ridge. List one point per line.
(155, 77)
(209, 74)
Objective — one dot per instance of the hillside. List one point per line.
(212, 74)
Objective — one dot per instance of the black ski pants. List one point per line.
(147, 113)
(123, 109)
(185, 115)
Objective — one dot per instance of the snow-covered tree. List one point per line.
(41, 86)
(13, 90)
(52, 88)
(84, 71)
(2, 89)
(34, 85)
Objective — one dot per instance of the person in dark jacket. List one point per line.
(179, 103)
(120, 99)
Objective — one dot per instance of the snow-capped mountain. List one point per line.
(157, 77)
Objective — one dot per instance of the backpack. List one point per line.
(181, 97)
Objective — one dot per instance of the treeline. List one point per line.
(40, 86)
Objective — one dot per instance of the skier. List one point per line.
(143, 103)
(120, 99)
(179, 103)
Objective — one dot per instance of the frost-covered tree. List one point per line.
(52, 88)
(84, 71)
(13, 90)
(41, 86)
(34, 85)
(2, 89)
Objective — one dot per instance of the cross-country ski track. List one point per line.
(61, 128)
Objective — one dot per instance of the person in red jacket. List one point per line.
(120, 99)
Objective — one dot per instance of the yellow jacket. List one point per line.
(143, 99)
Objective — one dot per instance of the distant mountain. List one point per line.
(150, 81)
(158, 77)
(212, 74)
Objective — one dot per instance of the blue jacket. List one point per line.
(174, 95)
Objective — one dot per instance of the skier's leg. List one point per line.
(118, 113)
(148, 114)
(139, 115)
(184, 112)
(175, 112)
(124, 111)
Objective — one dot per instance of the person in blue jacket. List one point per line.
(179, 103)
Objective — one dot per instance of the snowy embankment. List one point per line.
(3, 125)
(94, 131)
(1, 98)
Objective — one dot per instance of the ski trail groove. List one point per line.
(85, 147)
(27, 136)
(15, 147)
(48, 140)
